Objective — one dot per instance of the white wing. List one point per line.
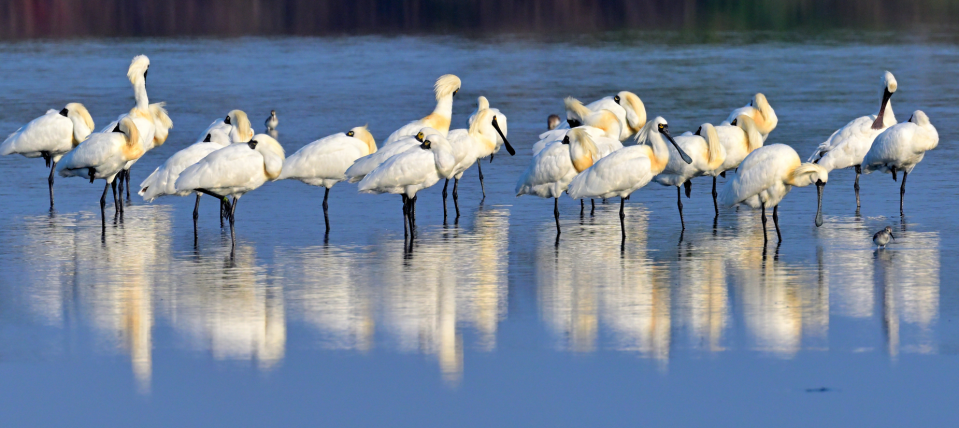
(761, 170)
(366, 164)
(102, 152)
(618, 174)
(549, 172)
(163, 180)
(410, 168)
(48, 133)
(324, 161)
(848, 145)
(233, 169)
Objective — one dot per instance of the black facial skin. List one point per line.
(573, 123)
(253, 144)
(207, 139)
(426, 145)
(117, 128)
(349, 134)
(616, 99)
(227, 120)
(64, 112)
(566, 139)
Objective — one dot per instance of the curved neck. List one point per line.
(444, 107)
(660, 147)
(140, 94)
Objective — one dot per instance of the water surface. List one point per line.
(486, 321)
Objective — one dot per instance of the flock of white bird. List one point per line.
(584, 157)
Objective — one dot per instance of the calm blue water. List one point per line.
(485, 322)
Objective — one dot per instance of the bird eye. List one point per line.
(660, 126)
(616, 98)
(227, 120)
(455, 92)
(349, 134)
(733, 123)
(420, 136)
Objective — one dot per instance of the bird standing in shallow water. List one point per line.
(446, 87)
(767, 175)
(881, 238)
(849, 145)
(901, 148)
(272, 121)
(50, 136)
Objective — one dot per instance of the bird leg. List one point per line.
(622, 216)
(689, 188)
(413, 215)
(232, 220)
(902, 191)
(445, 185)
(103, 204)
(679, 202)
(326, 209)
(116, 203)
(196, 215)
(715, 204)
(856, 184)
(722, 174)
(893, 171)
(119, 178)
(776, 222)
(582, 208)
(456, 198)
(53, 167)
(556, 215)
(405, 221)
(479, 166)
(763, 206)
(592, 210)
(126, 176)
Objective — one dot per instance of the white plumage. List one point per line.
(234, 171)
(103, 154)
(578, 115)
(767, 175)
(445, 89)
(901, 147)
(628, 108)
(707, 154)
(163, 180)
(848, 145)
(760, 112)
(366, 164)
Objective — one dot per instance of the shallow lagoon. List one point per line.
(484, 322)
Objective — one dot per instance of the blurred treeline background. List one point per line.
(82, 18)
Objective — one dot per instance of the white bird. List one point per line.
(50, 136)
(848, 145)
(881, 238)
(103, 155)
(627, 107)
(272, 121)
(163, 180)
(324, 162)
(152, 120)
(236, 124)
(554, 167)
(626, 170)
(760, 112)
(234, 171)
(767, 175)
(901, 147)
(366, 164)
(739, 139)
(411, 171)
(578, 115)
(445, 89)
(707, 154)
(486, 134)
(557, 134)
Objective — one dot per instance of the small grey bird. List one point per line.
(881, 238)
(552, 122)
(272, 121)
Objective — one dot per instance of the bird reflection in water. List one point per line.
(907, 276)
(452, 277)
(595, 281)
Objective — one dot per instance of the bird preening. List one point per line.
(603, 149)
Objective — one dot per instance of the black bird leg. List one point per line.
(902, 192)
(582, 208)
(776, 222)
(715, 204)
(689, 188)
(405, 220)
(592, 210)
(119, 179)
(196, 215)
(763, 206)
(479, 166)
(326, 209)
(53, 167)
(456, 198)
(103, 204)
(622, 216)
(445, 185)
(556, 215)
(126, 176)
(679, 202)
(856, 184)
(232, 221)
(116, 203)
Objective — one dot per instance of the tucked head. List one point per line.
(635, 109)
(919, 118)
(889, 82)
(552, 122)
(446, 86)
(363, 134)
(241, 121)
(80, 112)
(138, 68)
